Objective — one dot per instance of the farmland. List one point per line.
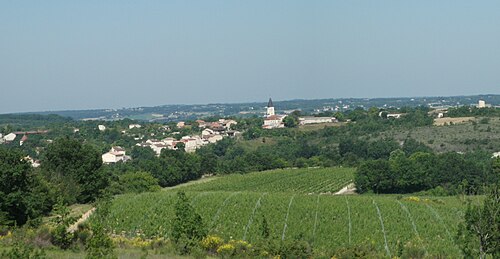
(304, 181)
(328, 222)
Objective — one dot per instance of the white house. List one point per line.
(496, 155)
(158, 147)
(213, 138)
(116, 154)
(274, 121)
(101, 127)
(207, 132)
(118, 150)
(134, 126)
(181, 124)
(314, 120)
(10, 137)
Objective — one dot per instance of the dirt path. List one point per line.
(349, 189)
(82, 219)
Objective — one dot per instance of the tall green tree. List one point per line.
(187, 227)
(75, 168)
(23, 195)
(479, 235)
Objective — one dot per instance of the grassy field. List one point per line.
(235, 206)
(461, 137)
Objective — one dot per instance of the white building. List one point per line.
(9, 137)
(274, 121)
(213, 138)
(314, 120)
(496, 155)
(101, 127)
(118, 150)
(134, 126)
(115, 155)
(481, 104)
(270, 108)
(207, 132)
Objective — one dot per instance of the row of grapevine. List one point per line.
(309, 180)
(326, 221)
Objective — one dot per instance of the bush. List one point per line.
(138, 182)
(188, 228)
(22, 250)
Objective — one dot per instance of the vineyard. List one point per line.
(328, 222)
(303, 181)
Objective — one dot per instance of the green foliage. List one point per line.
(291, 121)
(23, 195)
(187, 227)
(479, 235)
(100, 245)
(24, 251)
(426, 171)
(75, 168)
(62, 220)
(137, 182)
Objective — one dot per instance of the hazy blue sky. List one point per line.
(57, 55)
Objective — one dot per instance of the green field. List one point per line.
(303, 181)
(234, 206)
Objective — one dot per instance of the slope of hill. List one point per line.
(234, 207)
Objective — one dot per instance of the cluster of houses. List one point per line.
(11, 137)
(212, 132)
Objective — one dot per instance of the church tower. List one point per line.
(270, 108)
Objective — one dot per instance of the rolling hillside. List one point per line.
(289, 200)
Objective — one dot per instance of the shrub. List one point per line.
(211, 243)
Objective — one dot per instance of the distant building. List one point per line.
(23, 140)
(181, 124)
(272, 121)
(481, 104)
(101, 127)
(9, 137)
(315, 120)
(115, 155)
(394, 115)
(134, 126)
(270, 108)
(496, 155)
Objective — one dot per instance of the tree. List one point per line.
(374, 175)
(187, 227)
(75, 168)
(23, 196)
(480, 233)
(291, 121)
(138, 182)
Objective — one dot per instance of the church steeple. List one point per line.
(270, 103)
(270, 108)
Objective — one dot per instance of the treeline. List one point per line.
(441, 174)
(71, 172)
(472, 111)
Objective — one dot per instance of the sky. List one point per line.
(67, 55)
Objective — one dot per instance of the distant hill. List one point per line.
(189, 112)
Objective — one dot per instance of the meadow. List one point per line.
(293, 208)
